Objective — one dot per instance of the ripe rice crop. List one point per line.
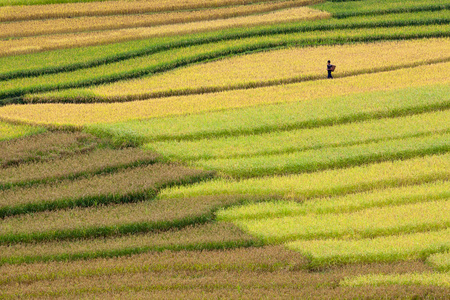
(440, 261)
(112, 220)
(58, 41)
(413, 246)
(116, 7)
(325, 183)
(142, 65)
(10, 131)
(127, 185)
(276, 142)
(46, 146)
(77, 115)
(293, 64)
(367, 223)
(97, 161)
(427, 279)
(71, 59)
(328, 158)
(208, 236)
(340, 204)
(80, 24)
(108, 72)
(275, 118)
(269, 258)
(213, 284)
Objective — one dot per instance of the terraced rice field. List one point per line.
(195, 149)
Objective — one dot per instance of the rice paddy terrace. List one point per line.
(195, 149)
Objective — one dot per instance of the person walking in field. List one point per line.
(330, 68)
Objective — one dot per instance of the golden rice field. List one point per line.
(188, 149)
(79, 115)
(286, 65)
(96, 37)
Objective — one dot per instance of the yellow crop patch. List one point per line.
(283, 65)
(59, 41)
(84, 114)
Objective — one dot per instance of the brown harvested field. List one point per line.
(91, 23)
(15, 13)
(69, 40)
(46, 146)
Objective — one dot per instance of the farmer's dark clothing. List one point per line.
(329, 70)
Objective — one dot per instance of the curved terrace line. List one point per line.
(216, 89)
(227, 36)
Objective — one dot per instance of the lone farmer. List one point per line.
(330, 68)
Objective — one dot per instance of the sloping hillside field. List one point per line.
(191, 149)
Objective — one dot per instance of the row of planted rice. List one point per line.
(380, 143)
(254, 39)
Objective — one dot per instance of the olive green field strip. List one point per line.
(269, 258)
(178, 57)
(393, 196)
(10, 131)
(328, 158)
(213, 283)
(417, 279)
(289, 141)
(112, 220)
(325, 183)
(45, 146)
(72, 59)
(94, 162)
(28, 27)
(271, 68)
(209, 236)
(274, 119)
(440, 261)
(127, 185)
